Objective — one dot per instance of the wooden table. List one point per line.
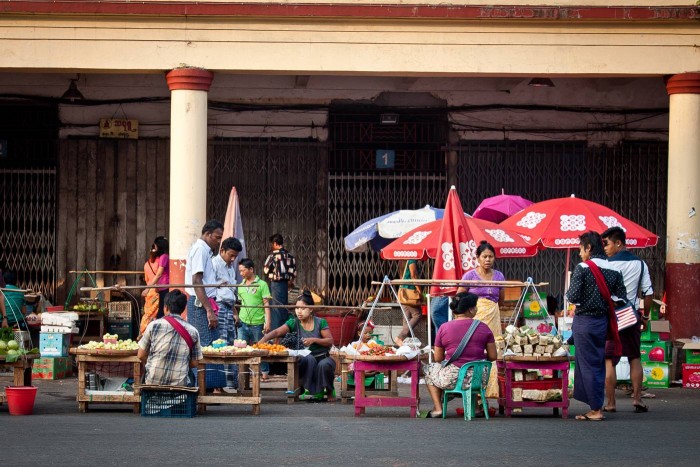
(245, 364)
(114, 356)
(293, 388)
(363, 400)
(21, 371)
(560, 366)
(392, 389)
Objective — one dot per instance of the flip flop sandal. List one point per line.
(640, 408)
(586, 418)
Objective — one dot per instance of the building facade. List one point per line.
(286, 101)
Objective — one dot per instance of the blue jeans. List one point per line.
(438, 311)
(252, 333)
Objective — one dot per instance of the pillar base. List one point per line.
(683, 299)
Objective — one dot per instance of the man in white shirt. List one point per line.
(201, 305)
(637, 282)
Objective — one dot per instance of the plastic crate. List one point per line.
(168, 404)
(119, 311)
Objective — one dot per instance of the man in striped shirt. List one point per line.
(637, 282)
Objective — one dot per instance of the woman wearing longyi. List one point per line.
(490, 297)
(316, 370)
(479, 346)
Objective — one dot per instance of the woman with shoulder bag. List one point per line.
(316, 370)
(410, 299)
(440, 376)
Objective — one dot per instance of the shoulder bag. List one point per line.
(180, 329)
(625, 315)
(409, 297)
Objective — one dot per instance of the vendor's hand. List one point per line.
(308, 341)
(213, 319)
(4, 323)
(266, 327)
(144, 293)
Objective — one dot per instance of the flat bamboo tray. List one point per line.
(251, 353)
(378, 358)
(104, 352)
(518, 358)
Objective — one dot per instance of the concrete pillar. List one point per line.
(188, 162)
(683, 218)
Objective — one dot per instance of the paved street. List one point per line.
(328, 433)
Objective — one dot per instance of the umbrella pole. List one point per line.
(566, 270)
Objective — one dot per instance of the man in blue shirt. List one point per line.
(637, 281)
(225, 272)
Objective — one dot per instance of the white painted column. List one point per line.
(683, 215)
(188, 162)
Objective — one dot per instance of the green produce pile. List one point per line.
(10, 348)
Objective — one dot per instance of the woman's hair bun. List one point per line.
(483, 242)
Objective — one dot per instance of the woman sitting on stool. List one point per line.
(316, 370)
(448, 339)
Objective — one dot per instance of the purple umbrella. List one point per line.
(499, 208)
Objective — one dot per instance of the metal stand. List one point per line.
(384, 283)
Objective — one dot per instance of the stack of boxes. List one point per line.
(656, 350)
(54, 340)
(691, 367)
(119, 319)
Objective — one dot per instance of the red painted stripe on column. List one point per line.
(683, 299)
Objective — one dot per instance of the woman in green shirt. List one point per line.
(316, 370)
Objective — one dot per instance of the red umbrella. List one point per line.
(557, 223)
(422, 242)
(498, 208)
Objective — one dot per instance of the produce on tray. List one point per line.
(274, 348)
(527, 342)
(118, 345)
(227, 349)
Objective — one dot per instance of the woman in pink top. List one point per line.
(157, 271)
(481, 345)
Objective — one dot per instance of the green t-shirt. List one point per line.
(252, 298)
(319, 325)
(14, 301)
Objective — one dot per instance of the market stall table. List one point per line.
(392, 390)
(247, 362)
(292, 363)
(385, 364)
(87, 396)
(560, 380)
(21, 371)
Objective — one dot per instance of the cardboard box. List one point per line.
(532, 307)
(655, 374)
(52, 368)
(658, 330)
(692, 350)
(659, 351)
(54, 344)
(572, 367)
(691, 376)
